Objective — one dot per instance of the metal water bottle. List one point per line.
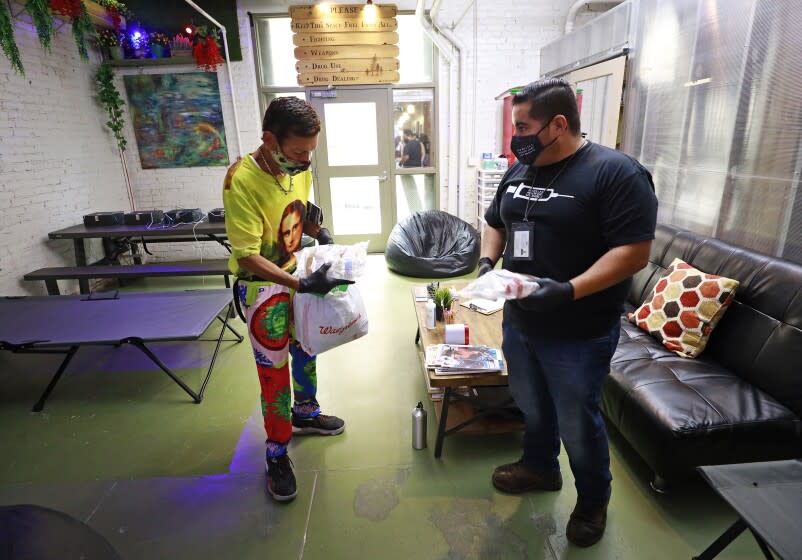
(419, 426)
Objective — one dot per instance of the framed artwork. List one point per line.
(177, 119)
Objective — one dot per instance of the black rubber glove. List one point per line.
(319, 282)
(550, 295)
(485, 265)
(324, 237)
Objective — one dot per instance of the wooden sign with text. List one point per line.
(348, 51)
(344, 26)
(345, 44)
(314, 39)
(347, 78)
(326, 11)
(347, 65)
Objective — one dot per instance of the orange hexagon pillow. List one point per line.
(684, 307)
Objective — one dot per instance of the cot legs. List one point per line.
(40, 404)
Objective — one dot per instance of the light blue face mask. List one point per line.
(287, 165)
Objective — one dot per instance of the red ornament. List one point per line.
(207, 54)
(68, 8)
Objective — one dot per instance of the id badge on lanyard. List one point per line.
(523, 233)
(523, 241)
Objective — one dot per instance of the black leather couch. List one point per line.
(741, 399)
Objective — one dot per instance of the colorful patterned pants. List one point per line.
(268, 309)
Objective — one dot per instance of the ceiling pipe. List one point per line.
(445, 52)
(228, 67)
(574, 9)
(460, 48)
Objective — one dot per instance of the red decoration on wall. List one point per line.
(68, 8)
(207, 54)
(116, 20)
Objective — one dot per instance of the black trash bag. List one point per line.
(29, 532)
(432, 244)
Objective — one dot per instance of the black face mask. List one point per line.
(527, 148)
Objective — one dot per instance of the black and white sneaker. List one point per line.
(320, 424)
(280, 478)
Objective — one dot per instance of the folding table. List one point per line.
(62, 324)
(157, 233)
(768, 498)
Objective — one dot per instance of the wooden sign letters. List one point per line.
(345, 44)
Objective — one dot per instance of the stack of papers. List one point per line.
(457, 359)
(484, 306)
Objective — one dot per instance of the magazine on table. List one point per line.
(452, 359)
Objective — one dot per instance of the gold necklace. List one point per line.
(285, 191)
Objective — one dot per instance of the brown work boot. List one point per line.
(517, 477)
(587, 523)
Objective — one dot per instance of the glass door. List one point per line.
(354, 164)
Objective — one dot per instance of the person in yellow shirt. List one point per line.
(265, 196)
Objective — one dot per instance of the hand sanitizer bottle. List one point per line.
(430, 314)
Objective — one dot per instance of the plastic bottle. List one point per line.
(431, 314)
(419, 426)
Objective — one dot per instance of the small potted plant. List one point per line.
(159, 45)
(108, 42)
(443, 298)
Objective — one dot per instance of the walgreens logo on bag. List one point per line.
(322, 323)
(339, 330)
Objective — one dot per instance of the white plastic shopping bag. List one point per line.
(347, 261)
(323, 322)
(500, 284)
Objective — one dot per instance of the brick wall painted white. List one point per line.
(58, 161)
(502, 40)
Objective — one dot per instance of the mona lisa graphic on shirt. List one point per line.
(290, 229)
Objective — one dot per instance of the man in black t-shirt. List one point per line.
(413, 150)
(580, 217)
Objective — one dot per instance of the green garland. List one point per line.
(81, 29)
(43, 20)
(7, 41)
(112, 102)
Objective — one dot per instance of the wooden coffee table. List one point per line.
(461, 389)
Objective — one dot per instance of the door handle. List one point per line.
(383, 177)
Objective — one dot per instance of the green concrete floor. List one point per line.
(122, 448)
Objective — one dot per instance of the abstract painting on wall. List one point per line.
(178, 119)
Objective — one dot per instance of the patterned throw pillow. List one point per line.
(684, 308)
